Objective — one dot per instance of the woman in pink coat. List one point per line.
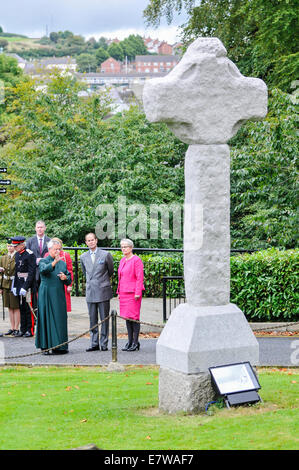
(129, 290)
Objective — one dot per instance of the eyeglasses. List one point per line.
(125, 246)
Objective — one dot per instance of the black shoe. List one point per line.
(59, 351)
(104, 349)
(134, 347)
(46, 353)
(19, 334)
(126, 347)
(9, 333)
(27, 334)
(94, 348)
(15, 332)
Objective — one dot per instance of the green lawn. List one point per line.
(63, 408)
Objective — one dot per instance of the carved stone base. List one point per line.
(189, 393)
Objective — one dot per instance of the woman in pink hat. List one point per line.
(129, 290)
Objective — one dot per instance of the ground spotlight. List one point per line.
(237, 383)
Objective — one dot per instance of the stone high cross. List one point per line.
(204, 100)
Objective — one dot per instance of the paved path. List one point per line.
(273, 351)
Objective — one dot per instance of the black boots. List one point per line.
(134, 347)
(131, 347)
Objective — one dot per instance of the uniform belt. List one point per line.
(22, 274)
(8, 277)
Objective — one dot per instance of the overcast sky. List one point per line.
(109, 18)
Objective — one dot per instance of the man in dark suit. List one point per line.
(97, 267)
(23, 281)
(38, 245)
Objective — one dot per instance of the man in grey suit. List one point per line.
(97, 266)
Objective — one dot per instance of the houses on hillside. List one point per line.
(161, 59)
(155, 46)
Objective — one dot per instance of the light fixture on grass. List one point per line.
(237, 383)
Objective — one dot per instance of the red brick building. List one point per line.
(164, 49)
(111, 66)
(155, 63)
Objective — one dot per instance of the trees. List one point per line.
(86, 63)
(101, 55)
(10, 75)
(54, 37)
(260, 37)
(264, 179)
(3, 43)
(132, 46)
(65, 161)
(116, 51)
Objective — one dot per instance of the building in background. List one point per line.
(155, 63)
(111, 66)
(165, 49)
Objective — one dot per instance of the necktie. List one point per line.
(92, 257)
(40, 245)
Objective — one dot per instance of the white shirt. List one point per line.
(93, 255)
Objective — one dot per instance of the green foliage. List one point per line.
(116, 51)
(65, 43)
(260, 37)
(265, 285)
(86, 63)
(65, 160)
(10, 75)
(3, 43)
(101, 55)
(132, 46)
(264, 179)
(156, 9)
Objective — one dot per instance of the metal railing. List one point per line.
(178, 299)
(75, 249)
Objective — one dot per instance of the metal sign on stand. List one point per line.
(4, 182)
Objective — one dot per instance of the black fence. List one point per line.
(170, 301)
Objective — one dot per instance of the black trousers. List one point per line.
(26, 317)
(133, 331)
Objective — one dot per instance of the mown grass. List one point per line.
(63, 408)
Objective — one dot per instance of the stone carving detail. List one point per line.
(205, 99)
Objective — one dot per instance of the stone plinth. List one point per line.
(196, 338)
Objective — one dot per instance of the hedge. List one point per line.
(264, 284)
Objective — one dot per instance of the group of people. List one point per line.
(37, 277)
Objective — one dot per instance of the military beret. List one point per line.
(17, 240)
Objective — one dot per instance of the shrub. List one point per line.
(264, 285)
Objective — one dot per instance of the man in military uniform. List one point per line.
(23, 281)
(7, 269)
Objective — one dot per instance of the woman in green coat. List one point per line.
(51, 327)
